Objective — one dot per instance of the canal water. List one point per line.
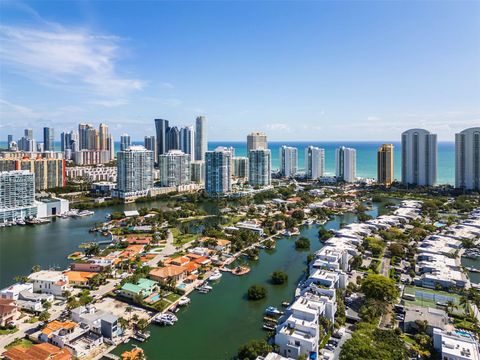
(473, 263)
(22, 247)
(216, 324)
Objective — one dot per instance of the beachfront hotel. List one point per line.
(314, 162)
(134, 172)
(385, 164)
(218, 171)
(419, 157)
(467, 159)
(346, 164)
(288, 161)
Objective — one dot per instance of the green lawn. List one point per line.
(163, 304)
(20, 342)
(8, 331)
(172, 297)
(181, 239)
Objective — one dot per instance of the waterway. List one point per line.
(216, 324)
(22, 247)
(473, 263)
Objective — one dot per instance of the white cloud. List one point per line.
(67, 57)
(277, 127)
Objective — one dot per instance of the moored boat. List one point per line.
(184, 301)
(165, 319)
(273, 311)
(216, 275)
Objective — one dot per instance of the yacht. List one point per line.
(216, 275)
(165, 319)
(85, 213)
(184, 301)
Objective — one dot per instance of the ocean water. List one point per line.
(366, 156)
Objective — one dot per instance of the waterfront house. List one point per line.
(169, 273)
(49, 282)
(81, 341)
(43, 351)
(8, 312)
(250, 226)
(143, 288)
(95, 264)
(79, 278)
(101, 322)
(179, 261)
(203, 261)
(216, 244)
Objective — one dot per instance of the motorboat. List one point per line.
(184, 301)
(268, 327)
(165, 319)
(216, 275)
(271, 310)
(204, 289)
(85, 213)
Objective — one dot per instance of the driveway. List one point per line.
(347, 335)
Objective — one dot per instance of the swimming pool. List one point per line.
(463, 333)
(155, 298)
(181, 286)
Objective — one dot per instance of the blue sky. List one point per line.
(318, 71)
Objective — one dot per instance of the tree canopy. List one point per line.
(252, 349)
(256, 292)
(378, 287)
(368, 342)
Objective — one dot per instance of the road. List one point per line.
(25, 328)
(347, 335)
(385, 266)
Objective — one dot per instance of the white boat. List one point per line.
(165, 319)
(204, 289)
(184, 301)
(216, 275)
(85, 213)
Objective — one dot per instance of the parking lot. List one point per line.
(334, 345)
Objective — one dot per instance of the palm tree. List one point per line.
(123, 323)
(142, 324)
(450, 305)
(465, 304)
(129, 310)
